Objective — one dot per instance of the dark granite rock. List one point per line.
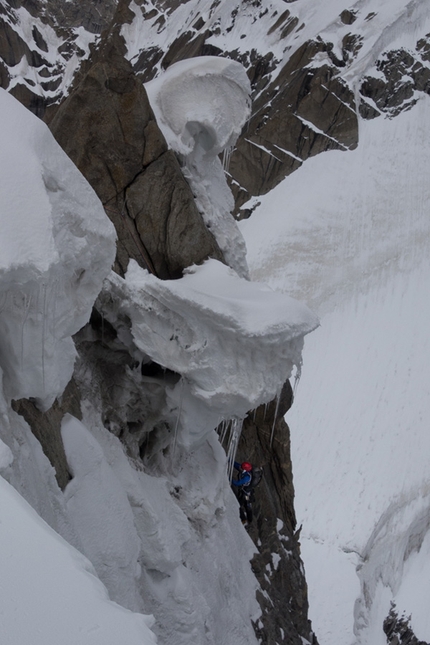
(401, 74)
(119, 148)
(348, 17)
(265, 441)
(398, 629)
(46, 427)
(304, 112)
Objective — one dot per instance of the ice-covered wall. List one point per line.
(56, 247)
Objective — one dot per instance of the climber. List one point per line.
(245, 490)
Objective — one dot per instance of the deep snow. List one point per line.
(49, 592)
(233, 342)
(349, 233)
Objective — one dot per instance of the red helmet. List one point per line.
(246, 466)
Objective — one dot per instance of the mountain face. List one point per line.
(315, 74)
(310, 72)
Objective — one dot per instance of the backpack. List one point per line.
(257, 476)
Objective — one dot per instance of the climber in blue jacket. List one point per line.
(245, 471)
(244, 491)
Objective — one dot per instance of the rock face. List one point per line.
(303, 112)
(119, 148)
(43, 39)
(265, 441)
(46, 426)
(398, 79)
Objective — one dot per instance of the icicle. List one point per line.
(175, 436)
(236, 430)
(226, 155)
(54, 307)
(278, 399)
(254, 415)
(297, 378)
(43, 333)
(223, 431)
(27, 303)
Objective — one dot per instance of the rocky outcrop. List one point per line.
(37, 67)
(398, 629)
(305, 111)
(299, 108)
(400, 77)
(265, 441)
(118, 147)
(46, 427)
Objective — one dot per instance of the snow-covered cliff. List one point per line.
(346, 232)
(148, 500)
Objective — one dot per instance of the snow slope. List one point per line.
(49, 593)
(350, 234)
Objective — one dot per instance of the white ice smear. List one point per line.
(350, 234)
(201, 105)
(56, 246)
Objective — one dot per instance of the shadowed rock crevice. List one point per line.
(265, 441)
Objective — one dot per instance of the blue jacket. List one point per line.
(245, 476)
